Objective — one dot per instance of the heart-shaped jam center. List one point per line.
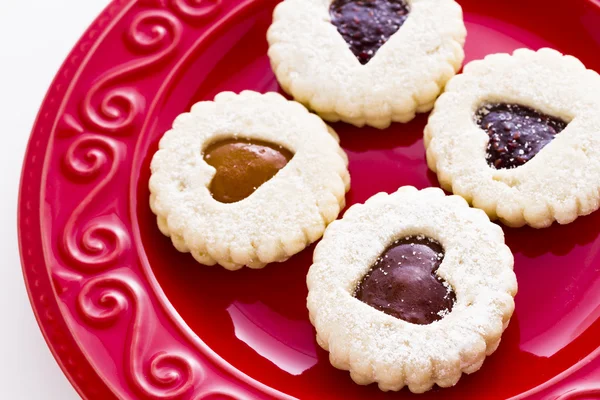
(242, 166)
(367, 24)
(517, 133)
(403, 282)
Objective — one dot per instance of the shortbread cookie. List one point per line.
(519, 137)
(411, 289)
(366, 62)
(247, 179)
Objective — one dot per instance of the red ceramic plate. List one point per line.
(127, 316)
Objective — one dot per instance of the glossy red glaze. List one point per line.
(127, 316)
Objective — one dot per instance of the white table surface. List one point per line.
(35, 37)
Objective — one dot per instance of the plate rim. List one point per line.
(44, 309)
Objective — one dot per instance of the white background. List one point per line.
(35, 37)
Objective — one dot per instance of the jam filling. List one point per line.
(517, 133)
(403, 282)
(243, 166)
(367, 24)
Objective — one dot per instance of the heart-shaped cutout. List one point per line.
(517, 133)
(402, 53)
(243, 166)
(403, 282)
(367, 24)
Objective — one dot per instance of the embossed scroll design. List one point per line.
(155, 33)
(93, 244)
(194, 10)
(102, 302)
(101, 242)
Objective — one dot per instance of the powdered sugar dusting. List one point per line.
(377, 347)
(562, 181)
(282, 216)
(313, 63)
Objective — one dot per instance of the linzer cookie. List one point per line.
(367, 62)
(518, 136)
(411, 289)
(247, 179)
